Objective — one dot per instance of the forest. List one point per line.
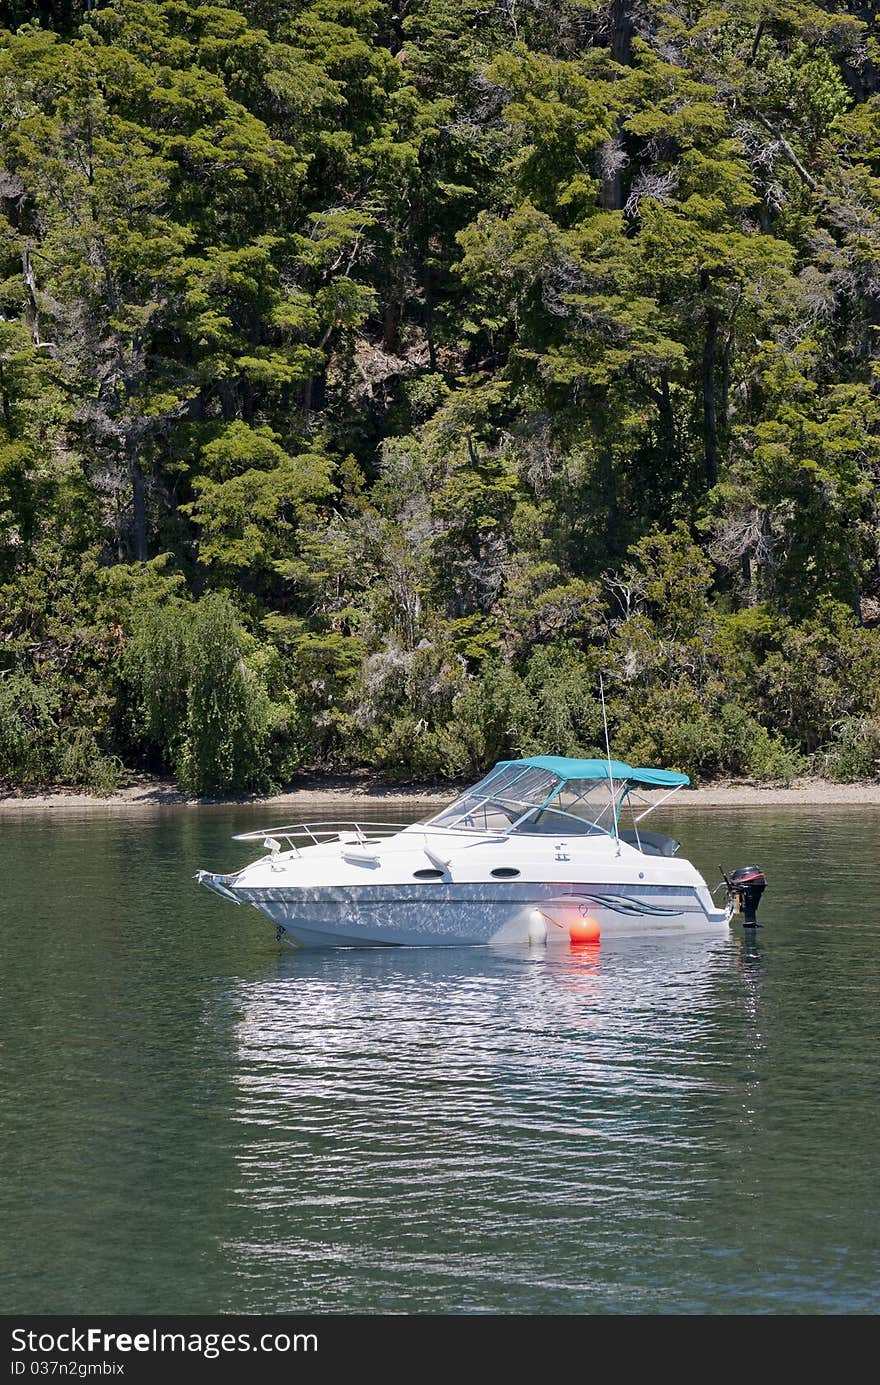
(377, 374)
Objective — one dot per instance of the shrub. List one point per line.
(37, 748)
(674, 729)
(770, 760)
(227, 721)
(28, 730)
(561, 714)
(669, 729)
(196, 702)
(81, 761)
(489, 717)
(855, 751)
(825, 672)
(156, 667)
(407, 750)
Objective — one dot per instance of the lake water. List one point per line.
(193, 1121)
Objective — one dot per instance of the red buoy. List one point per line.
(584, 932)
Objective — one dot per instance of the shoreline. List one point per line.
(331, 790)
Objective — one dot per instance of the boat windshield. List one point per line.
(514, 798)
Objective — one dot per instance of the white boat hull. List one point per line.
(491, 868)
(465, 916)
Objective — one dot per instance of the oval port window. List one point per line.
(505, 872)
(428, 874)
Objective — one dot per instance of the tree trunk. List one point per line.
(4, 397)
(620, 35)
(429, 314)
(391, 326)
(139, 507)
(314, 388)
(611, 193)
(724, 392)
(766, 574)
(615, 539)
(748, 580)
(229, 401)
(863, 80)
(667, 418)
(247, 400)
(710, 414)
(621, 31)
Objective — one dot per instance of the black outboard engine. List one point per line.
(746, 884)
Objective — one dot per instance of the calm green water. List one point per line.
(195, 1122)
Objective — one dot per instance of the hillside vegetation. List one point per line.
(374, 375)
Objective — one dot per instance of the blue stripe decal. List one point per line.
(619, 904)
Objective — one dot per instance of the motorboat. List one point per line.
(541, 850)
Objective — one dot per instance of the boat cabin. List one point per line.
(552, 794)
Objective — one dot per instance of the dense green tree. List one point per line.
(374, 375)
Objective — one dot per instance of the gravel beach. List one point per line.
(326, 792)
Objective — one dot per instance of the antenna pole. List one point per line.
(608, 754)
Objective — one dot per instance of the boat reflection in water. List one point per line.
(476, 1130)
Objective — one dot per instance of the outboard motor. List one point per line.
(746, 884)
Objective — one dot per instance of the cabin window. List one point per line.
(427, 874)
(500, 799)
(505, 872)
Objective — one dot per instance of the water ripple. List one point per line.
(193, 1123)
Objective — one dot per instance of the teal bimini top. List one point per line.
(599, 769)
